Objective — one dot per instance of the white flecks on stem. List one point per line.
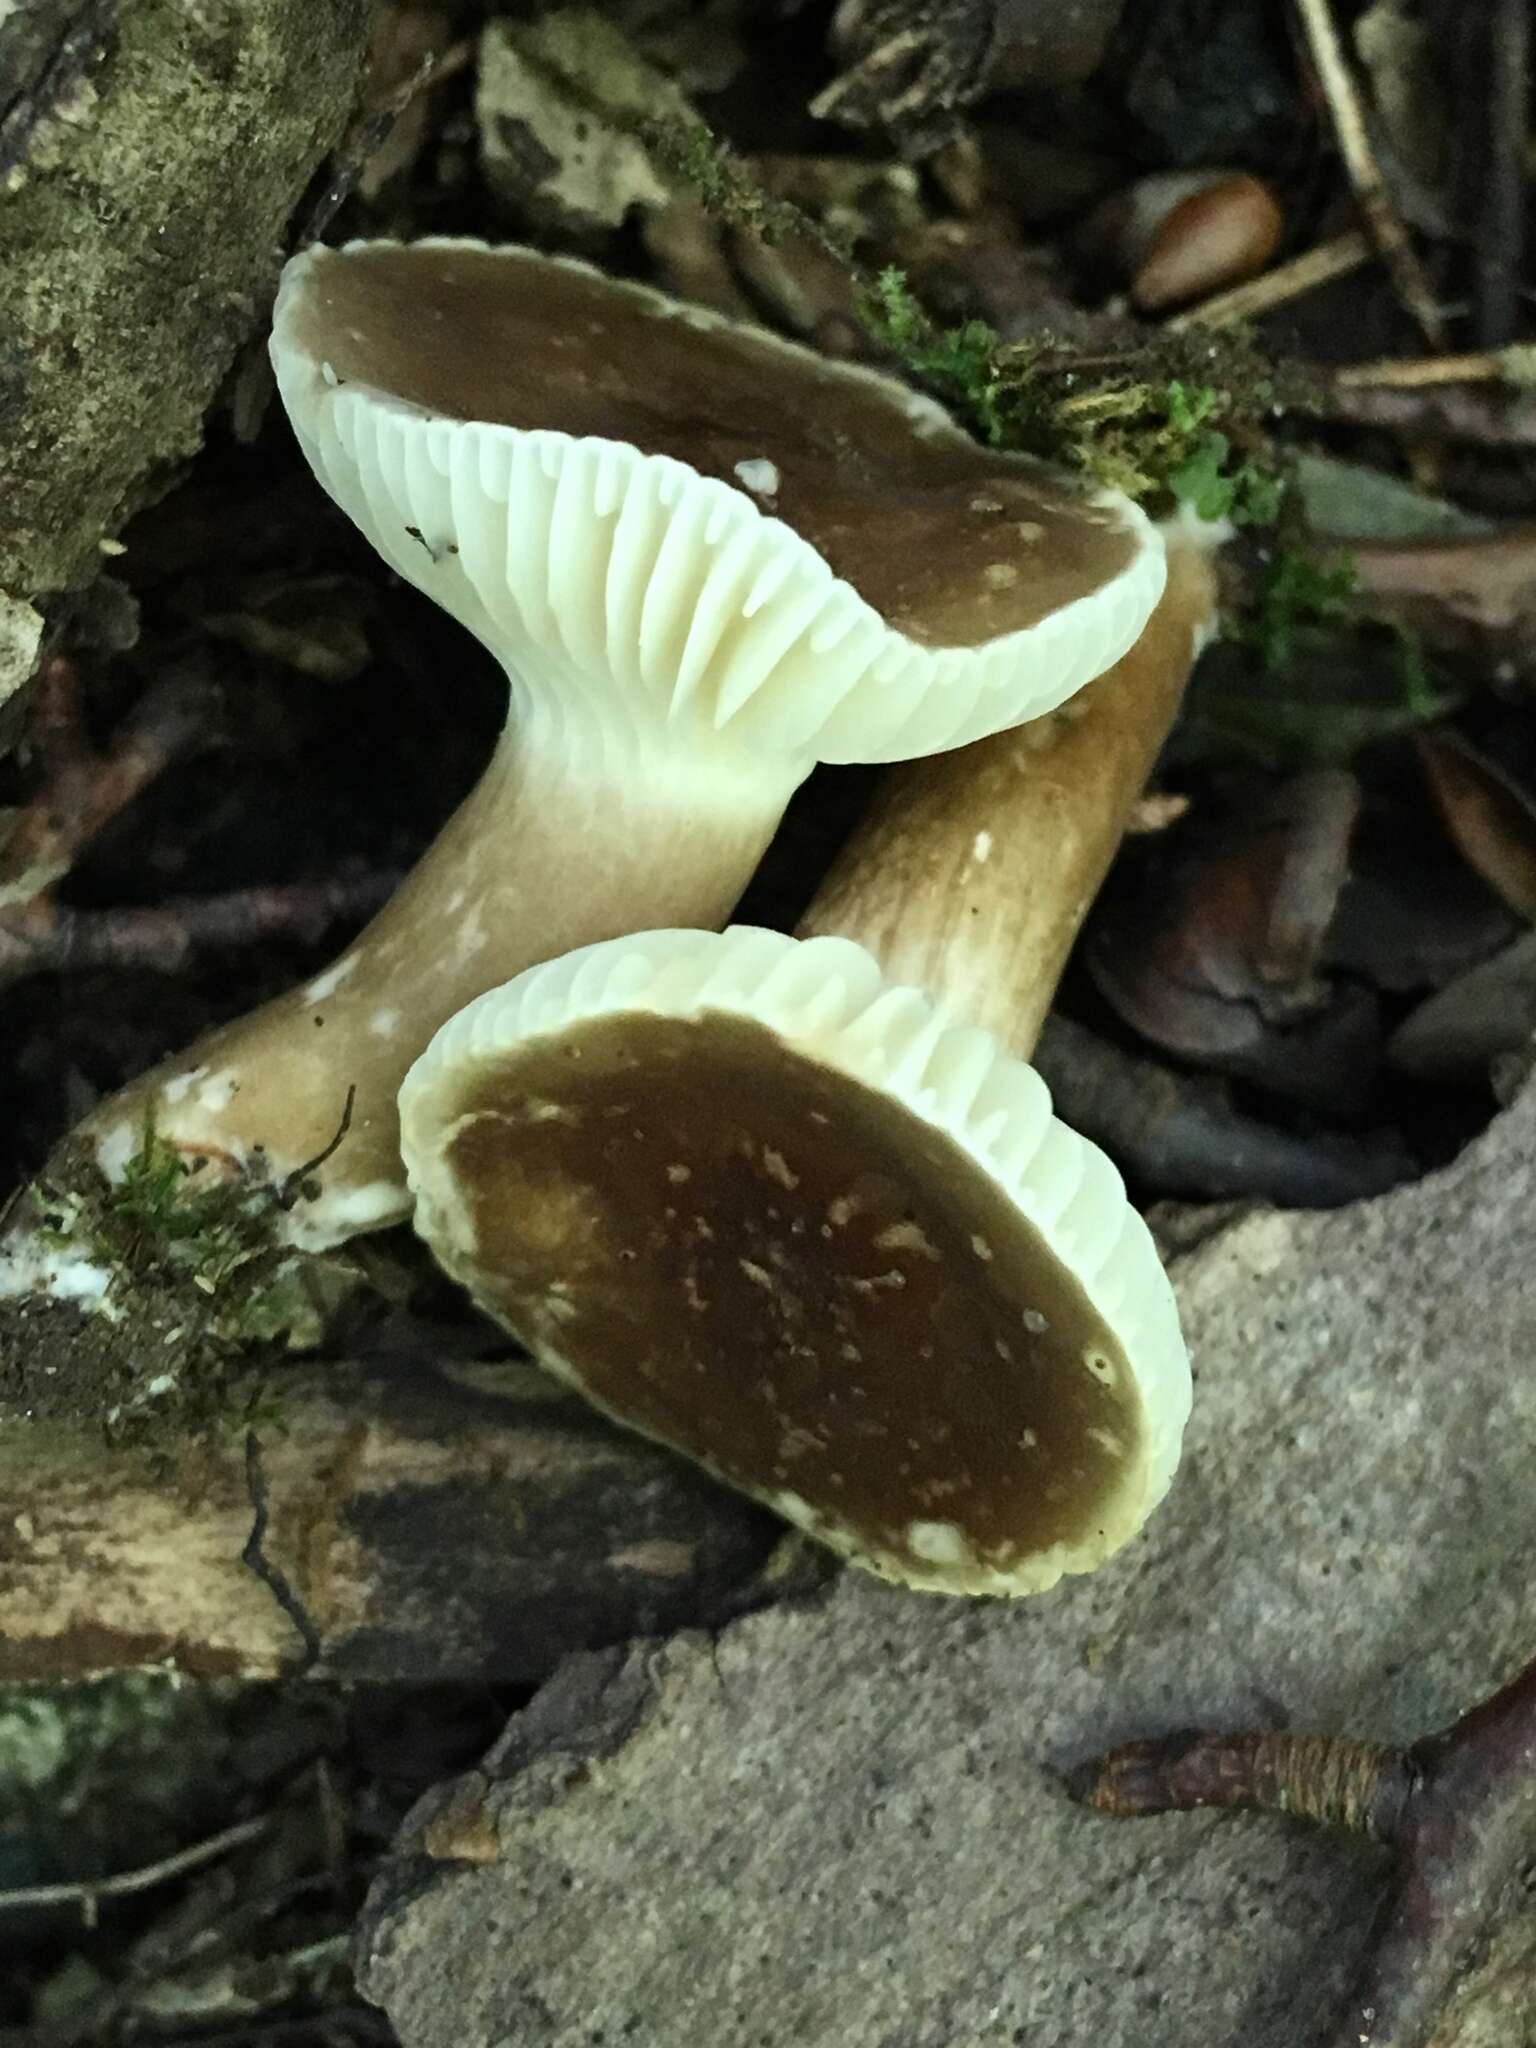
(180, 1086)
(326, 984)
(31, 1267)
(937, 1542)
(117, 1145)
(218, 1091)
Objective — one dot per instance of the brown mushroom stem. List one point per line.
(539, 859)
(972, 874)
(1459, 1807)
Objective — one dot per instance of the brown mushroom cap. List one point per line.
(762, 1208)
(803, 551)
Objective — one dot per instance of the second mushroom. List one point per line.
(706, 559)
(782, 1204)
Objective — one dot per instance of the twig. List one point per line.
(45, 937)
(261, 1567)
(88, 1894)
(1460, 1808)
(1381, 216)
(370, 130)
(1181, 1132)
(1501, 218)
(1515, 364)
(1485, 414)
(84, 790)
(1278, 287)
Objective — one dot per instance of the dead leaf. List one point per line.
(1210, 946)
(1492, 821)
(557, 103)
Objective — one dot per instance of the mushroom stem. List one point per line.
(777, 1202)
(555, 848)
(973, 872)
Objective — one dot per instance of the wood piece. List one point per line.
(435, 1523)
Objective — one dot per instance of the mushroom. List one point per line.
(799, 1208)
(706, 559)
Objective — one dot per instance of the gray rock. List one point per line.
(839, 1826)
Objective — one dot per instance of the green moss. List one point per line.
(1169, 420)
(1302, 586)
(1139, 420)
(198, 1274)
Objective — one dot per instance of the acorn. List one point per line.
(1177, 236)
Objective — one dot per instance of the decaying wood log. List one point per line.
(431, 1523)
(151, 154)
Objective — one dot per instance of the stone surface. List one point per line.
(839, 1825)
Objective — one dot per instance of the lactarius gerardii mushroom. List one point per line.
(706, 559)
(799, 1208)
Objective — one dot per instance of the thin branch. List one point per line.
(46, 937)
(1370, 187)
(85, 791)
(88, 1894)
(1278, 287)
(1487, 415)
(261, 1567)
(1459, 1807)
(1501, 217)
(371, 128)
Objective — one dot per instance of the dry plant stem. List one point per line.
(127, 1882)
(543, 857)
(1501, 221)
(1474, 599)
(1387, 230)
(975, 869)
(1361, 1786)
(1459, 1807)
(84, 791)
(371, 128)
(1278, 287)
(1411, 373)
(45, 937)
(1483, 414)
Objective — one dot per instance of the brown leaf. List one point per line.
(1209, 946)
(1492, 821)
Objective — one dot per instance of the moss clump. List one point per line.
(1146, 420)
(1171, 419)
(197, 1273)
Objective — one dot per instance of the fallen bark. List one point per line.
(430, 1523)
(135, 262)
